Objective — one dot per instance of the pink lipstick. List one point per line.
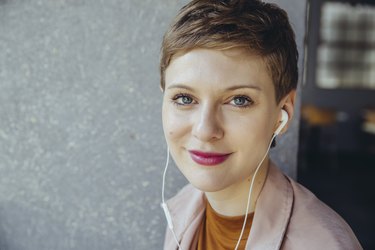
(207, 158)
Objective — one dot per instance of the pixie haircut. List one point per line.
(260, 28)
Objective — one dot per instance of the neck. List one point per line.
(232, 201)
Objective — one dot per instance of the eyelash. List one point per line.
(248, 99)
(181, 95)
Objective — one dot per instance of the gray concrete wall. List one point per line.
(81, 143)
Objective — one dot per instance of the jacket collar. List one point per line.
(187, 211)
(272, 213)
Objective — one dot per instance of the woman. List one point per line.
(229, 74)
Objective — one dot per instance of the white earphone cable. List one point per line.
(250, 192)
(164, 205)
(164, 174)
(169, 218)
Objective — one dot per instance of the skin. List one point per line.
(222, 102)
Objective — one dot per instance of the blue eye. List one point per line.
(183, 99)
(241, 101)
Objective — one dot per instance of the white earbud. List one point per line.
(284, 120)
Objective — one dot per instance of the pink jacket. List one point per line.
(287, 216)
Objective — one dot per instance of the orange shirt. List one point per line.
(218, 232)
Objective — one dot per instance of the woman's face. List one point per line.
(219, 114)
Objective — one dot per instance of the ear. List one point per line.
(287, 103)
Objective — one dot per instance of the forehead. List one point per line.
(218, 68)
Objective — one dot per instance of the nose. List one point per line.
(207, 124)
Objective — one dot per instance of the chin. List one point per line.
(207, 185)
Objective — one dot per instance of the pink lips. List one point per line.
(208, 159)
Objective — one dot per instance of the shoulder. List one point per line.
(187, 196)
(186, 209)
(320, 226)
(186, 206)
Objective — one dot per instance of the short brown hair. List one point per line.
(258, 27)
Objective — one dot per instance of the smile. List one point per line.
(207, 158)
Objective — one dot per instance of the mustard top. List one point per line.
(222, 232)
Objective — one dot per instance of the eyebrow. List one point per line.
(180, 86)
(245, 86)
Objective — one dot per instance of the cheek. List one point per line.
(249, 134)
(250, 130)
(174, 126)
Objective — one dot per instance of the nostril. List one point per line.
(208, 130)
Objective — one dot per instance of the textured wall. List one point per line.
(81, 144)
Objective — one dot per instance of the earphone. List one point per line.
(164, 205)
(283, 122)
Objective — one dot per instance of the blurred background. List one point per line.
(336, 157)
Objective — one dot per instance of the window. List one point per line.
(346, 49)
